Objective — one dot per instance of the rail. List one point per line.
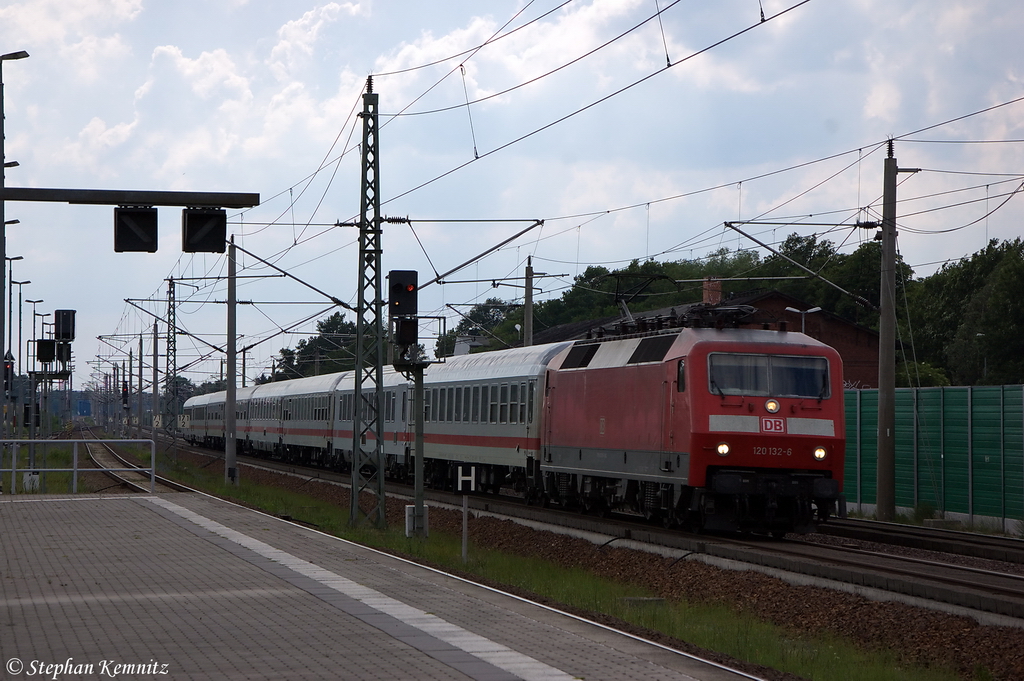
(15, 445)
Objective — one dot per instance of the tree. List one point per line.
(999, 333)
(183, 389)
(486, 316)
(331, 350)
(975, 295)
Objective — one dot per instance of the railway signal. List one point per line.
(8, 373)
(135, 229)
(204, 230)
(404, 290)
(402, 308)
(64, 329)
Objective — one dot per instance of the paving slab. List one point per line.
(186, 586)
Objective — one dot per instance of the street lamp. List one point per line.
(34, 313)
(20, 305)
(10, 297)
(10, 56)
(20, 367)
(803, 316)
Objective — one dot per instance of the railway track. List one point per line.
(991, 547)
(105, 457)
(937, 577)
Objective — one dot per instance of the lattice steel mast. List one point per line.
(171, 374)
(368, 426)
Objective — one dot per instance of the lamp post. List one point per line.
(9, 421)
(10, 56)
(10, 297)
(16, 399)
(34, 314)
(803, 316)
(20, 306)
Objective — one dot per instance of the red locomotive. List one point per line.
(723, 429)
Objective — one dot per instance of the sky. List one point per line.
(630, 134)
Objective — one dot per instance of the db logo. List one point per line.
(773, 425)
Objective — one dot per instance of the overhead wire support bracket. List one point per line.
(333, 299)
(439, 279)
(180, 331)
(860, 300)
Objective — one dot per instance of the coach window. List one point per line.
(513, 406)
(504, 403)
(458, 404)
(529, 400)
(405, 401)
(466, 397)
(681, 376)
(492, 416)
(450, 412)
(426, 406)
(522, 403)
(479, 413)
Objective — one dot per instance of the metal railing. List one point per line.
(15, 445)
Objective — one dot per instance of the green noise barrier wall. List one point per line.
(959, 450)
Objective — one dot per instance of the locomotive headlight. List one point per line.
(772, 406)
(820, 453)
(723, 449)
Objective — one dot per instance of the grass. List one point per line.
(48, 455)
(712, 627)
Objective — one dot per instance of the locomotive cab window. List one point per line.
(764, 375)
(681, 376)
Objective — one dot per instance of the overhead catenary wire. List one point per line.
(546, 74)
(647, 202)
(587, 107)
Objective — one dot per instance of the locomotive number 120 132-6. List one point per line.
(773, 451)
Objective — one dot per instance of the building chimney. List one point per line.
(712, 290)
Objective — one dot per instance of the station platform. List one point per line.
(186, 586)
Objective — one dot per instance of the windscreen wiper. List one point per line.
(714, 385)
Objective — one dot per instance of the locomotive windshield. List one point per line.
(768, 375)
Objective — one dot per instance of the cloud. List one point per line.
(883, 101)
(297, 38)
(62, 23)
(211, 74)
(90, 57)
